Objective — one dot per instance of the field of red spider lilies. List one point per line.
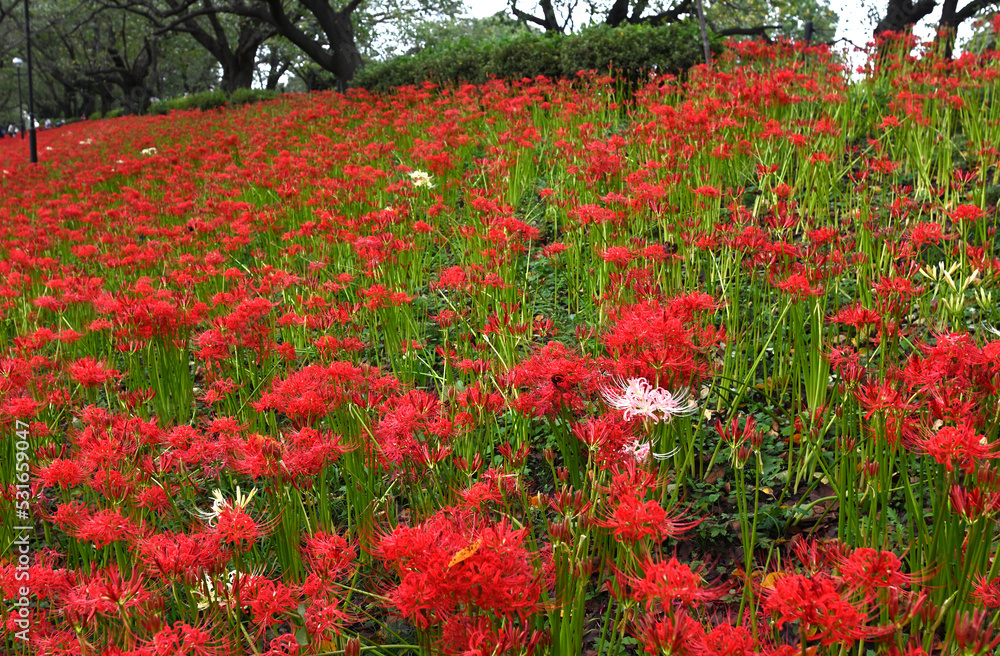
(707, 366)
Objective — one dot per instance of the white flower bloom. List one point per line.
(220, 503)
(637, 398)
(147, 152)
(638, 450)
(642, 450)
(208, 595)
(421, 179)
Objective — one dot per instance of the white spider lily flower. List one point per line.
(220, 503)
(421, 179)
(637, 398)
(642, 450)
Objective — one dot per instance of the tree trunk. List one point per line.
(342, 57)
(901, 15)
(704, 33)
(951, 18)
(237, 72)
(275, 69)
(618, 13)
(346, 56)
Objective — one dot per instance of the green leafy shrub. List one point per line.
(526, 55)
(208, 100)
(630, 51)
(635, 49)
(250, 96)
(204, 101)
(461, 61)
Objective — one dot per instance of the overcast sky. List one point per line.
(854, 24)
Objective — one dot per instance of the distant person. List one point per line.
(48, 124)
(11, 130)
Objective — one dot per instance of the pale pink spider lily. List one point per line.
(637, 398)
(642, 450)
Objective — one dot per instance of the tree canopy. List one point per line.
(99, 55)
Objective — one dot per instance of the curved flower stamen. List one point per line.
(636, 397)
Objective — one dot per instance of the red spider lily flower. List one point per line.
(969, 213)
(414, 431)
(679, 635)
(960, 446)
(928, 233)
(868, 570)
(452, 278)
(797, 286)
(88, 372)
(974, 633)
(328, 554)
(309, 393)
(969, 504)
(480, 493)
(633, 519)
(727, 640)
(283, 645)
(18, 407)
(665, 584)
(308, 451)
(452, 564)
(858, 316)
(628, 478)
(953, 366)
(553, 379)
(736, 437)
(661, 344)
(477, 636)
(178, 556)
(379, 297)
(893, 287)
(606, 436)
(106, 526)
(234, 525)
(817, 604)
(987, 591)
(324, 617)
(880, 397)
(552, 250)
(817, 555)
(182, 639)
(269, 601)
(617, 255)
(707, 191)
(107, 593)
(64, 473)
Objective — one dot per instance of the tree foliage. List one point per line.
(766, 18)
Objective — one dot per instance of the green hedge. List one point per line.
(207, 100)
(631, 50)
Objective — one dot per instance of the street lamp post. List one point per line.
(32, 141)
(18, 63)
